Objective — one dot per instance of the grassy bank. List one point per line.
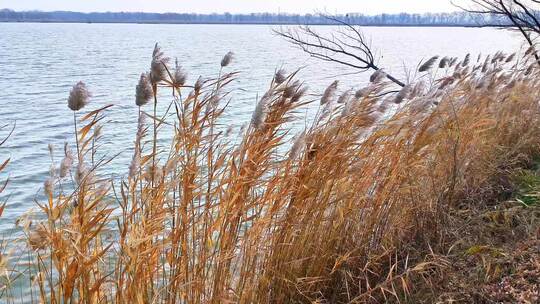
(493, 254)
(359, 207)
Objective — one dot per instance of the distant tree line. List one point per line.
(403, 19)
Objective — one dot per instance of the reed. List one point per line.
(7, 274)
(352, 210)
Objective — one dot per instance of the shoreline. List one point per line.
(253, 23)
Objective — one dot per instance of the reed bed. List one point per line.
(352, 210)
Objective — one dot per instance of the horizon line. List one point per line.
(279, 13)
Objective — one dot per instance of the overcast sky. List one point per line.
(235, 6)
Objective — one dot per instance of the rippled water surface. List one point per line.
(40, 62)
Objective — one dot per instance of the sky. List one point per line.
(235, 6)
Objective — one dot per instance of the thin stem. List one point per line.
(154, 139)
(76, 136)
(139, 148)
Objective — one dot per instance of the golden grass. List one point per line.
(333, 219)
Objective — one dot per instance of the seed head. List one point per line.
(84, 175)
(51, 149)
(403, 93)
(67, 162)
(426, 66)
(418, 88)
(65, 166)
(482, 82)
(485, 66)
(48, 186)
(259, 115)
(98, 131)
(198, 84)
(443, 63)
(135, 164)
(180, 75)
(52, 171)
(328, 109)
(280, 77)
(158, 70)
(171, 164)
(143, 91)
(329, 93)
(79, 96)
(530, 50)
(38, 238)
(153, 173)
(299, 143)
(363, 92)
(344, 97)
(446, 82)
(290, 89)
(466, 60)
(227, 59)
(299, 94)
(499, 56)
(511, 57)
(377, 76)
(349, 106)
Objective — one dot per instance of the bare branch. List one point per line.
(346, 46)
(519, 13)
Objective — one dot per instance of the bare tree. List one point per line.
(346, 46)
(522, 14)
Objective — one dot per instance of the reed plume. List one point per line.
(158, 69)
(363, 92)
(426, 66)
(180, 75)
(280, 76)
(143, 90)
(344, 97)
(377, 76)
(510, 57)
(466, 60)
(198, 84)
(227, 59)
(444, 62)
(300, 92)
(259, 114)
(48, 186)
(329, 93)
(403, 94)
(79, 96)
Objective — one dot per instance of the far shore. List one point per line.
(252, 23)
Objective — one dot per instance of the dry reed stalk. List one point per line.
(334, 217)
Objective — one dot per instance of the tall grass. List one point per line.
(6, 276)
(351, 210)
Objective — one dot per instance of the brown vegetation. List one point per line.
(355, 210)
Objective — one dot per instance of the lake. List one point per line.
(39, 64)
